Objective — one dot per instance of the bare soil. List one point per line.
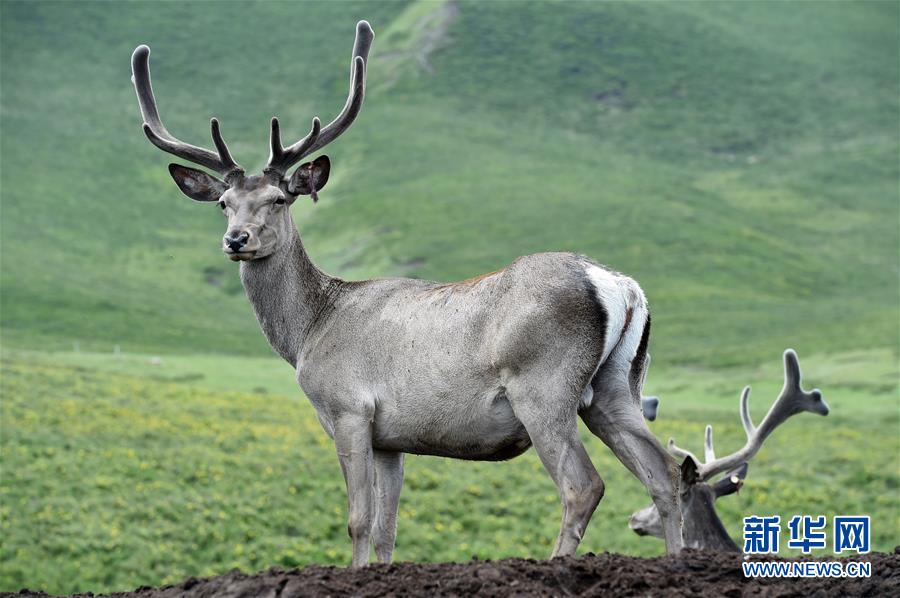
(693, 573)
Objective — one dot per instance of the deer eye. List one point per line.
(279, 201)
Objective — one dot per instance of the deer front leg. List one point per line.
(353, 440)
(388, 482)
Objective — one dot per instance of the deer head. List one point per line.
(256, 206)
(702, 527)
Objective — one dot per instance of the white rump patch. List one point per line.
(618, 295)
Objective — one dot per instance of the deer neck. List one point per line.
(702, 527)
(289, 294)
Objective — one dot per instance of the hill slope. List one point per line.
(740, 160)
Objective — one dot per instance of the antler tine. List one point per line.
(280, 159)
(220, 144)
(749, 428)
(276, 150)
(791, 371)
(363, 42)
(680, 452)
(708, 453)
(222, 147)
(157, 133)
(790, 401)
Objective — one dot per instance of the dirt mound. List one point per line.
(691, 574)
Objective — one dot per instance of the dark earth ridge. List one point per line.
(692, 573)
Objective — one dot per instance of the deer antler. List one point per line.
(220, 160)
(281, 159)
(792, 400)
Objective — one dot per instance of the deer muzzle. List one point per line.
(236, 241)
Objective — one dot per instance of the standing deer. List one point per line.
(702, 527)
(480, 369)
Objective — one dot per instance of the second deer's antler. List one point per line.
(792, 400)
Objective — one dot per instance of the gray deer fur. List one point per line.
(702, 527)
(480, 369)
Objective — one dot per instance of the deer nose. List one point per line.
(235, 240)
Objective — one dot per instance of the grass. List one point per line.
(738, 159)
(125, 470)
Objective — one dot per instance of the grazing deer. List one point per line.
(480, 369)
(702, 527)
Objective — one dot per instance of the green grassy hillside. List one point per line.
(739, 160)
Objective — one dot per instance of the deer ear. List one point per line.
(310, 177)
(689, 475)
(196, 184)
(732, 482)
(650, 406)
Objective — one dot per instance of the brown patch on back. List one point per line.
(476, 279)
(460, 285)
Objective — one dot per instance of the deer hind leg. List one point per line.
(579, 484)
(555, 439)
(388, 482)
(353, 440)
(615, 417)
